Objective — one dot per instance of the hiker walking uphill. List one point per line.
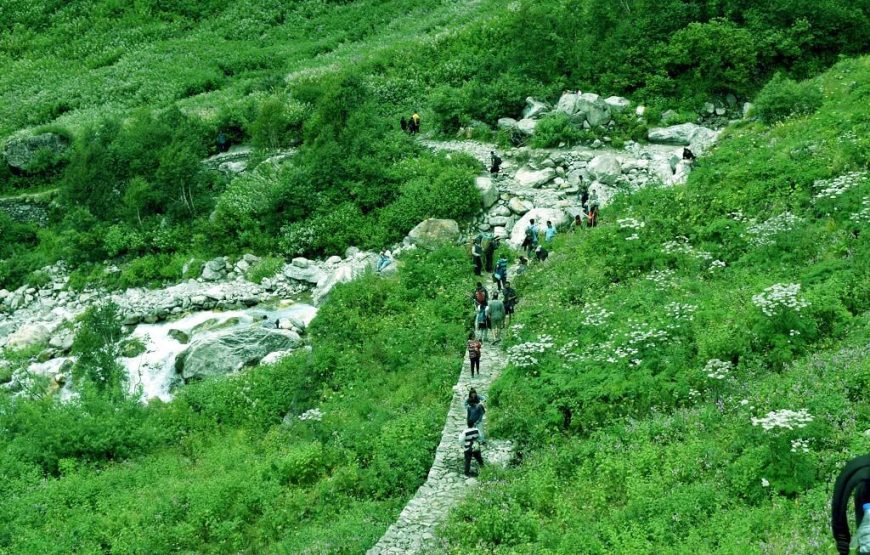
(510, 300)
(481, 322)
(480, 296)
(414, 125)
(499, 276)
(474, 411)
(550, 232)
(496, 314)
(477, 256)
(489, 253)
(470, 440)
(530, 242)
(495, 165)
(474, 346)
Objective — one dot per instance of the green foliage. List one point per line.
(782, 98)
(556, 129)
(266, 267)
(278, 124)
(97, 348)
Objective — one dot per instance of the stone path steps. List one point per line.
(446, 485)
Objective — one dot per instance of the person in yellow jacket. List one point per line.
(415, 123)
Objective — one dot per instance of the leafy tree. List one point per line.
(98, 346)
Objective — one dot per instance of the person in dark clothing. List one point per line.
(688, 154)
(499, 276)
(474, 346)
(495, 166)
(488, 253)
(541, 254)
(480, 295)
(510, 300)
(855, 478)
(584, 198)
(222, 143)
(403, 123)
(477, 256)
(578, 223)
(470, 441)
(474, 411)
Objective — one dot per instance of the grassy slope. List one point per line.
(650, 461)
(216, 471)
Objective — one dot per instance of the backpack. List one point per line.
(530, 232)
(480, 296)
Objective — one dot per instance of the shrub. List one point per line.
(265, 267)
(782, 98)
(555, 129)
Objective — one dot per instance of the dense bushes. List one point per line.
(781, 97)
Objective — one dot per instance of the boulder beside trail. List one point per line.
(534, 108)
(21, 152)
(27, 336)
(605, 168)
(228, 351)
(541, 216)
(596, 111)
(488, 191)
(698, 138)
(527, 177)
(433, 232)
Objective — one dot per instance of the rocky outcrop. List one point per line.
(698, 138)
(534, 108)
(21, 152)
(28, 335)
(605, 168)
(232, 350)
(488, 191)
(527, 177)
(434, 232)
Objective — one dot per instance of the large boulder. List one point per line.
(230, 350)
(617, 103)
(28, 335)
(605, 168)
(567, 104)
(433, 232)
(507, 123)
(527, 126)
(214, 270)
(527, 177)
(541, 216)
(594, 108)
(534, 108)
(698, 138)
(488, 191)
(21, 152)
(350, 270)
(308, 274)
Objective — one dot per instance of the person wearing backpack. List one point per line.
(531, 240)
(476, 256)
(500, 274)
(489, 253)
(474, 411)
(474, 347)
(415, 121)
(496, 312)
(480, 296)
(470, 441)
(495, 166)
(481, 322)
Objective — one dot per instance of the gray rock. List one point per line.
(501, 210)
(308, 274)
(21, 152)
(301, 262)
(617, 103)
(214, 269)
(519, 206)
(507, 123)
(230, 350)
(567, 104)
(179, 336)
(488, 191)
(28, 335)
(534, 108)
(595, 110)
(605, 168)
(333, 260)
(350, 252)
(62, 341)
(747, 109)
(669, 116)
(527, 126)
(709, 107)
(527, 177)
(698, 138)
(498, 221)
(433, 232)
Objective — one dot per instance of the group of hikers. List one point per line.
(410, 125)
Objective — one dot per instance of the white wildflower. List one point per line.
(785, 419)
(630, 223)
(314, 414)
(523, 354)
(765, 483)
(717, 369)
(764, 233)
(778, 297)
(595, 315)
(836, 186)
(800, 445)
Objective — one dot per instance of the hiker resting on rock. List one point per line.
(474, 347)
(495, 166)
(496, 313)
(688, 155)
(474, 411)
(384, 260)
(470, 441)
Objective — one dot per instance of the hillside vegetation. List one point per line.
(646, 349)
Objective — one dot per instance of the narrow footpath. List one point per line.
(446, 485)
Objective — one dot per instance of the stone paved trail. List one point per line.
(446, 485)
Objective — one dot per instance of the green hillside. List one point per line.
(642, 351)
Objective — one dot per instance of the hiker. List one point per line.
(577, 223)
(496, 313)
(531, 239)
(688, 155)
(488, 253)
(474, 411)
(403, 123)
(384, 260)
(584, 198)
(481, 324)
(592, 216)
(541, 254)
(474, 347)
(476, 254)
(470, 441)
(415, 122)
(500, 274)
(510, 300)
(495, 166)
(550, 232)
(522, 266)
(222, 143)
(480, 296)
